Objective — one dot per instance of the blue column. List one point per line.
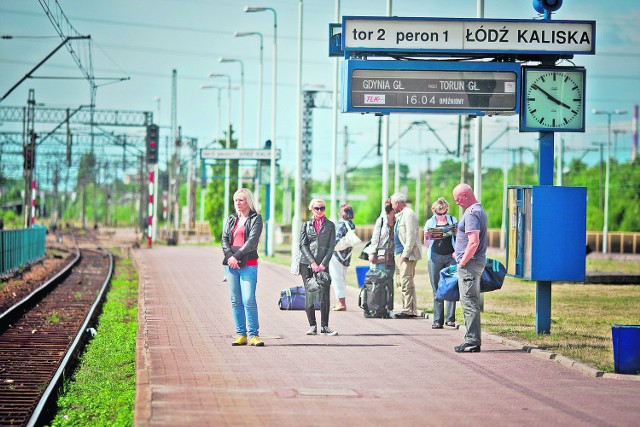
(543, 288)
(267, 215)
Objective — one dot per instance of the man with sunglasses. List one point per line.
(408, 250)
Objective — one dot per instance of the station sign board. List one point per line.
(237, 154)
(479, 88)
(455, 36)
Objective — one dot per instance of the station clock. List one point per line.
(552, 99)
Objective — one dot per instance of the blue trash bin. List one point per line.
(361, 272)
(626, 348)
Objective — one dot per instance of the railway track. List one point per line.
(41, 337)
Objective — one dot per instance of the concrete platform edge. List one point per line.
(142, 406)
(583, 368)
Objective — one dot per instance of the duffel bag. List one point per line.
(491, 279)
(294, 299)
(492, 276)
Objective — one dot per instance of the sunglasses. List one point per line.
(441, 214)
(319, 208)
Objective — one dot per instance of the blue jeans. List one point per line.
(437, 263)
(242, 287)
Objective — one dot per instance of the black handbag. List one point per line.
(241, 262)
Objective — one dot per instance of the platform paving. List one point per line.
(376, 372)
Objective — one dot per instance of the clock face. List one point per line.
(554, 100)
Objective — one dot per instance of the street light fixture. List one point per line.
(203, 190)
(260, 81)
(260, 85)
(226, 162)
(605, 232)
(224, 60)
(271, 223)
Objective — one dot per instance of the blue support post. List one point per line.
(543, 288)
(267, 215)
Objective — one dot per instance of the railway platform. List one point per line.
(375, 372)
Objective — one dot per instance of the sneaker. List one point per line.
(240, 340)
(467, 348)
(255, 340)
(328, 331)
(313, 330)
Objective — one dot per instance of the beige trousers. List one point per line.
(405, 273)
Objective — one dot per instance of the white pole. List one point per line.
(385, 142)
(297, 202)
(227, 170)
(256, 187)
(155, 201)
(334, 132)
(605, 231)
(396, 172)
(241, 139)
(505, 209)
(272, 181)
(477, 162)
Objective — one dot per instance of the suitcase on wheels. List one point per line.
(376, 296)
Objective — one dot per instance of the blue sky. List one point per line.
(145, 40)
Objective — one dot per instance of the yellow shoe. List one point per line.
(255, 340)
(240, 340)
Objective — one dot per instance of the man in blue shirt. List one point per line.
(470, 254)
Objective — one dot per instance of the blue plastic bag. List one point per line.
(448, 284)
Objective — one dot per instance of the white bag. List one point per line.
(349, 240)
(295, 263)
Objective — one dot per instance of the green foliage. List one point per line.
(102, 391)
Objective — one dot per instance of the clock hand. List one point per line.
(551, 97)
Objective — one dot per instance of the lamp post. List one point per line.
(605, 230)
(224, 60)
(616, 132)
(260, 82)
(203, 190)
(256, 189)
(271, 223)
(226, 162)
(297, 197)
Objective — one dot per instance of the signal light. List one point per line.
(29, 155)
(152, 141)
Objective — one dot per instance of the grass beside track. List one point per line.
(581, 315)
(102, 390)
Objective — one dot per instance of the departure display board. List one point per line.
(468, 90)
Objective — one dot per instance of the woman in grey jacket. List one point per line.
(240, 238)
(317, 242)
